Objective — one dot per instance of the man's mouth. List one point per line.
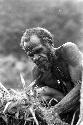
(42, 63)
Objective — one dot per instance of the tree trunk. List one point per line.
(69, 102)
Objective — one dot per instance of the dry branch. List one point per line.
(69, 102)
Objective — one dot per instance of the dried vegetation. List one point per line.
(25, 107)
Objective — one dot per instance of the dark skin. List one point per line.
(56, 70)
(67, 58)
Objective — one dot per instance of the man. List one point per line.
(57, 70)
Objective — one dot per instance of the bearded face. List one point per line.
(36, 51)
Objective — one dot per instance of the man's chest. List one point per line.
(60, 70)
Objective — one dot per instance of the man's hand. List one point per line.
(48, 92)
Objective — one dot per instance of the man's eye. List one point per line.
(27, 49)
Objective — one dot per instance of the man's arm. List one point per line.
(71, 53)
(73, 56)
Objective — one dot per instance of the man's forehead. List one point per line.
(34, 41)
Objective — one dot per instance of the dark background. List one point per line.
(63, 18)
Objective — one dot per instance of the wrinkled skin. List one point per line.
(37, 52)
(68, 60)
(41, 55)
(62, 63)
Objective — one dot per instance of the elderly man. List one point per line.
(57, 70)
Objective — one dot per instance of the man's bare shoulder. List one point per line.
(70, 52)
(70, 46)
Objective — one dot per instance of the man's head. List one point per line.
(37, 42)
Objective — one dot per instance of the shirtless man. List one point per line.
(57, 70)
